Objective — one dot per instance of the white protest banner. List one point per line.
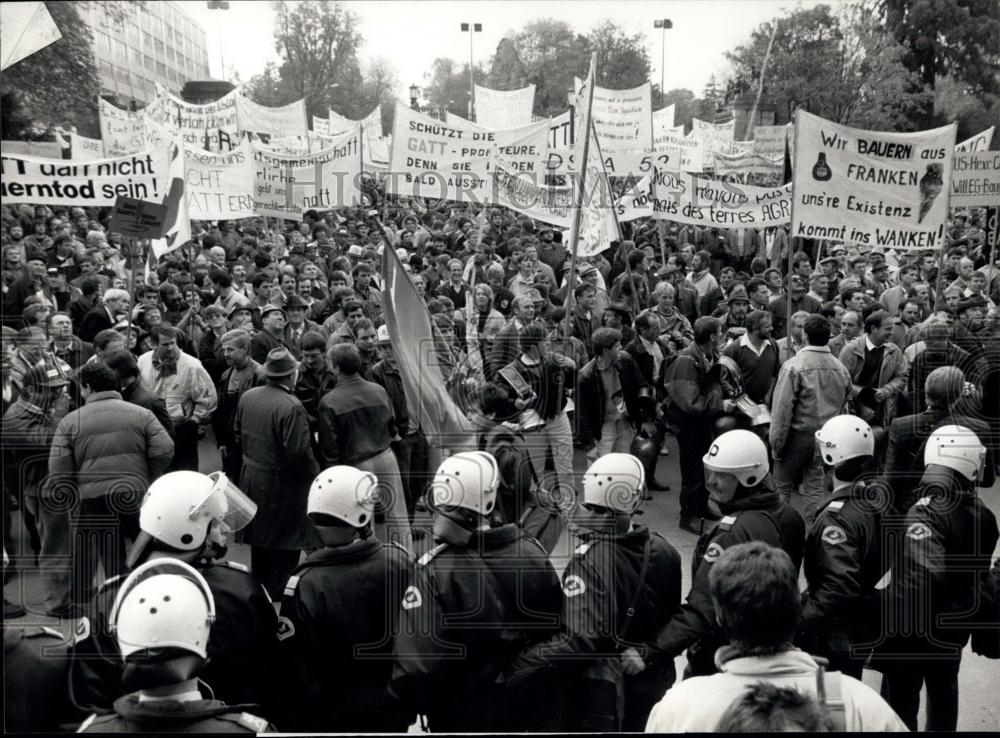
(663, 119)
(872, 187)
(121, 130)
(220, 185)
(287, 120)
(338, 124)
(524, 195)
(24, 29)
(979, 142)
(213, 126)
(617, 163)
(748, 163)
(82, 148)
(500, 109)
(35, 180)
(321, 125)
(430, 158)
(975, 180)
(288, 185)
(769, 141)
(717, 137)
(691, 199)
(623, 118)
(43, 149)
(692, 151)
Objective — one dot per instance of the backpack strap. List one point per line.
(830, 696)
(630, 612)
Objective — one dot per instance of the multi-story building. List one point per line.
(138, 44)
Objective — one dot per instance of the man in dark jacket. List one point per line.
(315, 380)
(338, 615)
(844, 552)
(126, 368)
(271, 335)
(608, 400)
(357, 426)
(64, 344)
(478, 597)
(739, 479)
(621, 586)
(947, 404)
(691, 404)
(931, 605)
(272, 429)
(242, 373)
(410, 447)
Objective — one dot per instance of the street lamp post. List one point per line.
(220, 5)
(663, 24)
(414, 93)
(471, 28)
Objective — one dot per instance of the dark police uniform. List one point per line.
(468, 613)
(760, 516)
(939, 576)
(35, 668)
(618, 590)
(241, 644)
(338, 616)
(843, 563)
(169, 716)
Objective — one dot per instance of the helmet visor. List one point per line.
(226, 503)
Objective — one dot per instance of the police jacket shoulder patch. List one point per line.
(412, 599)
(293, 582)
(573, 586)
(286, 629)
(834, 535)
(918, 531)
(713, 552)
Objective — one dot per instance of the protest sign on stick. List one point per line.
(876, 188)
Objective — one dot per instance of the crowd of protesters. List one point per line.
(270, 339)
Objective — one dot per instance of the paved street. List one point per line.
(979, 710)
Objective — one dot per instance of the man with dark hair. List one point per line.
(756, 354)
(779, 307)
(584, 322)
(610, 411)
(356, 427)
(755, 593)
(107, 452)
(878, 372)
(78, 308)
(692, 403)
(315, 378)
(125, 366)
(182, 383)
(812, 387)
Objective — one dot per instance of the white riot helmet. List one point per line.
(616, 482)
(345, 493)
(179, 507)
(843, 438)
(739, 453)
(468, 480)
(163, 604)
(958, 448)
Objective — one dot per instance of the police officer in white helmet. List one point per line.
(338, 615)
(738, 479)
(161, 619)
(478, 597)
(936, 587)
(844, 551)
(188, 516)
(621, 586)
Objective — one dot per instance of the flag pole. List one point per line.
(578, 209)
(791, 236)
(760, 83)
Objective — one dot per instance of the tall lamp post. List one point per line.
(471, 28)
(220, 5)
(663, 24)
(414, 94)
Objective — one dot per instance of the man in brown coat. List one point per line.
(272, 429)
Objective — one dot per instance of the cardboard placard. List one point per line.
(138, 218)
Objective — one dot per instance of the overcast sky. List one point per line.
(411, 34)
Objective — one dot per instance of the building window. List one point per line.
(147, 39)
(147, 61)
(161, 69)
(171, 54)
(159, 45)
